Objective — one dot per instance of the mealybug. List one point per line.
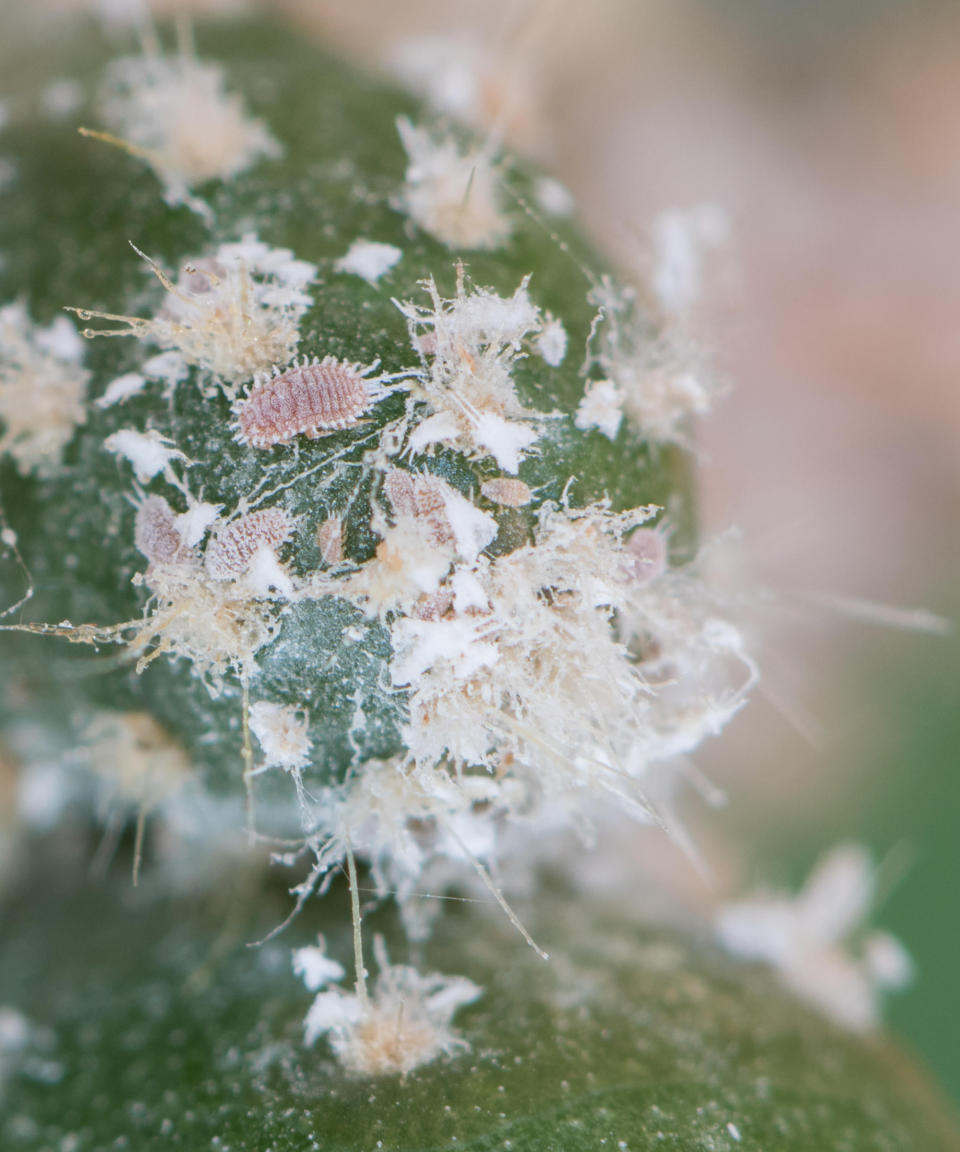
(156, 535)
(229, 553)
(308, 399)
(506, 491)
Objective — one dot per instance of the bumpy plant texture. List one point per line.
(331, 493)
(165, 1032)
(364, 506)
(364, 500)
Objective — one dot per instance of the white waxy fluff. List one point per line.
(811, 939)
(405, 1022)
(452, 194)
(178, 114)
(369, 259)
(283, 734)
(148, 452)
(42, 389)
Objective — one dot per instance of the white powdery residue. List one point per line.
(148, 452)
(403, 1024)
(680, 243)
(448, 71)
(218, 626)
(436, 429)
(315, 968)
(176, 112)
(455, 644)
(660, 394)
(283, 733)
(468, 345)
(286, 278)
(233, 314)
(138, 760)
(369, 259)
(170, 367)
(42, 389)
(420, 546)
(121, 389)
(61, 99)
(46, 790)
(455, 196)
(401, 818)
(562, 665)
(552, 341)
(61, 339)
(601, 407)
(888, 962)
(810, 940)
(121, 14)
(473, 530)
(734, 1131)
(661, 402)
(14, 1030)
(553, 197)
(267, 578)
(505, 440)
(468, 592)
(193, 524)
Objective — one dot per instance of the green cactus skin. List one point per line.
(170, 1033)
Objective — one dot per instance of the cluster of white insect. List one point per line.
(468, 345)
(568, 665)
(176, 113)
(574, 662)
(216, 609)
(817, 940)
(402, 1023)
(637, 373)
(454, 194)
(232, 314)
(43, 388)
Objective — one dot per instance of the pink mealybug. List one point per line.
(156, 535)
(646, 554)
(506, 491)
(229, 553)
(330, 541)
(307, 399)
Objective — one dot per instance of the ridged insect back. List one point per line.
(233, 547)
(310, 398)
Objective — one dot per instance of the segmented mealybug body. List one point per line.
(308, 399)
(229, 553)
(506, 491)
(421, 496)
(330, 541)
(156, 535)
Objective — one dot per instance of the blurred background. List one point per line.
(828, 133)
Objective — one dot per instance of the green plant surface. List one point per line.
(166, 1030)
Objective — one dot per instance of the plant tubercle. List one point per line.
(348, 501)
